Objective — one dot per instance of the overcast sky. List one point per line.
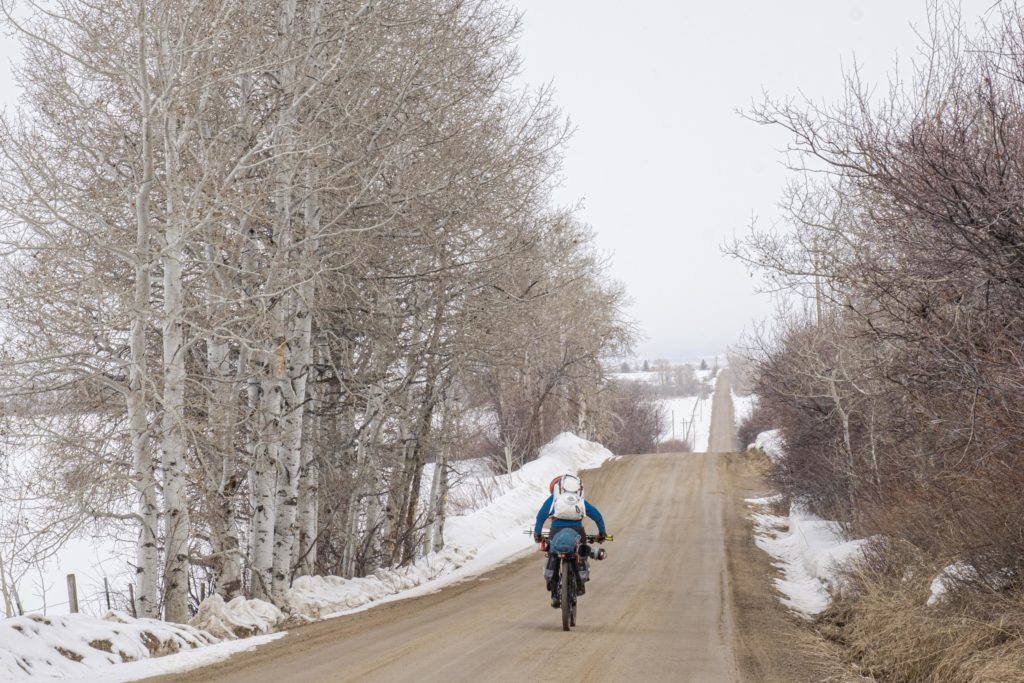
(665, 166)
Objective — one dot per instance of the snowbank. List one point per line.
(772, 443)
(239, 618)
(808, 550)
(37, 646)
(946, 578)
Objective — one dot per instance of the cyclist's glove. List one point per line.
(537, 538)
(601, 536)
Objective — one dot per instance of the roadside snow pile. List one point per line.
(318, 596)
(808, 550)
(37, 646)
(239, 618)
(961, 571)
(772, 443)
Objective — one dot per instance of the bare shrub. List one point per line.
(758, 421)
(637, 418)
(675, 446)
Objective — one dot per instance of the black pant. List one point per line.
(584, 552)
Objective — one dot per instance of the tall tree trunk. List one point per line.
(265, 474)
(309, 473)
(143, 462)
(221, 471)
(304, 560)
(176, 512)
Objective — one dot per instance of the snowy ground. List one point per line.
(688, 418)
(808, 551)
(771, 443)
(87, 648)
(742, 407)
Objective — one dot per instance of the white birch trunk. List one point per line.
(143, 462)
(286, 530)
(434, 539)
(176, 512)
(286, 469)
(309, 486)
(264, 481)
(223, 412)
(440, 504)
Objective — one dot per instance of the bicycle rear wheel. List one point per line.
(567, 594)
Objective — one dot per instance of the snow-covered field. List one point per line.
(688, 418)
(88, 648)
(685, 417)
(638, 376)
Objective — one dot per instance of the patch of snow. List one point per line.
(809, 551)
(941, 584)
(765, 501)
(239, 618)
(772, 443)
(742, 407)
(962, 571)
(183, 661)
(649, 377)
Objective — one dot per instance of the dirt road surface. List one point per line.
(658, 609)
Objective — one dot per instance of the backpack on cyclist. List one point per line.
(567, 502)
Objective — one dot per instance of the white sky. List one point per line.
(666, 169)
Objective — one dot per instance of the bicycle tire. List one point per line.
(567, 594)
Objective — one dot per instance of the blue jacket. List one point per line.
(545, 512)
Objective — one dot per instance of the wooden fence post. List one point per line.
(72, 594)
(131, 596)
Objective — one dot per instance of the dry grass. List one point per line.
(891, 634)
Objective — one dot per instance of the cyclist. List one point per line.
(562, 506)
